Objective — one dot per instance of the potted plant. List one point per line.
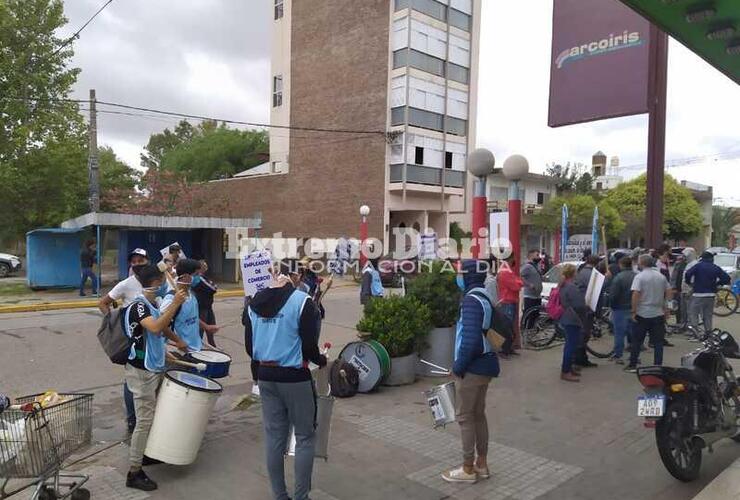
(435, 287)
(401, 325)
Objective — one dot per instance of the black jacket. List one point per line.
(620, 292)
(267, 304)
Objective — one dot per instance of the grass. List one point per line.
(14, 289)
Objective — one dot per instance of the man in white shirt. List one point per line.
(127, 290)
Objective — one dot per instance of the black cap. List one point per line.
(174, 247)
(707, 256)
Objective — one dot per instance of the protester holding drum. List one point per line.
(204, 290)
(280, 334)
(475, 365)
(148, 328)
(186, 321)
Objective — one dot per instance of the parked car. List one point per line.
(676, 252)
(716, 250)
(729, 262)
(9, 264)
(736, 250)
(623, 251)
(552, 277)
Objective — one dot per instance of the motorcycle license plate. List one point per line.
(650, 406)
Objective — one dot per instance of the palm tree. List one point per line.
(723, 220)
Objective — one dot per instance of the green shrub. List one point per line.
(435, 286)
(401, 324)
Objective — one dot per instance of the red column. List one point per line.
(363, 242)
(480, 209)
(515, 221)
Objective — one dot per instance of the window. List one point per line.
(419, 156)
(542, 198)
(426, 119)
(599, 186)
(277, 91)
(398, 116)
(274, 167)
(419, 60)
(456, 126)
(432, 8)
(457, 73)
(278, 9)
(459, 19)
(448, 159)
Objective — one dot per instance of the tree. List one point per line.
(42, 138)
(564, 177)
(206, 152)
(580, 215)
(723, 220)
(584, 184)
(681, 213)
(115, 176)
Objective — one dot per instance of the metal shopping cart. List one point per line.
(35, 440)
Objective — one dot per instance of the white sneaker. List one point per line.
(459, 476)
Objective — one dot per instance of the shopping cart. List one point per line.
(36, 440)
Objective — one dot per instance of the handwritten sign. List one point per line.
(428, 246)
(256, 272)
(593, 292)
(575, 247)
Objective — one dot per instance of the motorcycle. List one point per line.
(694, 406)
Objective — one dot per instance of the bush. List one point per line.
(401, 324)
(436, 287)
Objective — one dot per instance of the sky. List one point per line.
(212, 58)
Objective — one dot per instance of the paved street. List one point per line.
(551, 440)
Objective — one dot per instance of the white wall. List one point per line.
(280, 65)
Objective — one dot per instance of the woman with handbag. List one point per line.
(572, 321)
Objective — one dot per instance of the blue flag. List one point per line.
(595, 233)
(563, 232)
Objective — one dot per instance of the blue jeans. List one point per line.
(128, 400)
(622, 329)
(87, 272)
(510, 311)
(655, 327)
(284, 405)
(573, 336)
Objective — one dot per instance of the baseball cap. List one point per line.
(137, 251)
(174, 247)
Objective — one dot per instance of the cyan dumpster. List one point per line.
(53, 258)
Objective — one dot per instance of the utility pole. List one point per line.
(92, 158)
(658, 78)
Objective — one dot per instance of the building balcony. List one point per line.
(429, 176)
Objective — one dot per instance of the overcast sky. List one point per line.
(212, 57)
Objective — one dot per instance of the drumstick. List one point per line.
(201, 367)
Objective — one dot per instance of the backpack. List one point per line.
(554, 308)
(500, 322)
(113, 338)
(344, 379)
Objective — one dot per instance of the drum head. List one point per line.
(365, 359)
(207, 356)
(193, 381)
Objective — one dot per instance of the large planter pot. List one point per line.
(440, 351)
(403, 370)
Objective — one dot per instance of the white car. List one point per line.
(9, 264)
(552, 277)
(729, 262)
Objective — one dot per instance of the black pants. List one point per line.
(528, 304)
(209, 318)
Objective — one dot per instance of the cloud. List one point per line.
(211, 57)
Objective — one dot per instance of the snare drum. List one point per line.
(217, 363)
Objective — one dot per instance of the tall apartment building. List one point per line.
(402, 71)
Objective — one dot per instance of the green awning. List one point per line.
(710, 28)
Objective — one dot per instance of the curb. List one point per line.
(726, 486)
(84, 304)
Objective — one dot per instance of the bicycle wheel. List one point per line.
(542, 331)
(601, 342)
(725, 303)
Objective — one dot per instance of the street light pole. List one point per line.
(364, 212)
(480, 164)
(515, 168)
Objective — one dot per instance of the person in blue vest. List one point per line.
(187, 322)
(149, 330)
(475, 364)
(371, 285)
(280, 335)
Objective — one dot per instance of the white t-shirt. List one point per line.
(126, 291)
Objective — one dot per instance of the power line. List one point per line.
(77, 33)
(205, 118)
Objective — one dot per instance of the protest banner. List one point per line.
(256, 272)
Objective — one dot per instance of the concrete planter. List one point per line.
(403, 370)
(440, 350)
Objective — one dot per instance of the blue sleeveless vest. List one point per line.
(187, 324)
(276, 339)
(487, 318)
(376, 286)
(155, 344)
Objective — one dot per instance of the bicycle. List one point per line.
(539, 330)
(725, 301)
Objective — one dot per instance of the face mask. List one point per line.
(196, 280)
(162, 290)
(536, 260)
(460, 282)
